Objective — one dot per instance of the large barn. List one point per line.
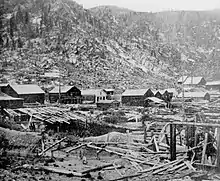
(135, 97)
(66, 94)
(31, 93)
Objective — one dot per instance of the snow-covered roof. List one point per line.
(134, 92)
(182, 79)
(154, 99)
(51, 75)
(96, 92)
(63, 89)
(4, 85)
(108, 101)
(6, 97)
(213, 82)
(193, 80)
(109, 90)
(27, 89)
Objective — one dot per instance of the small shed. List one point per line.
(67, 95)
(110, 93)
(136, 97)
(106, 104)
(196, 96)
(31, 93)
(94, 95)
(213, 85)
(7, 101)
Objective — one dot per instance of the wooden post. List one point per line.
(145, 134)
(172, 142)
(204, 148)
(218, 150)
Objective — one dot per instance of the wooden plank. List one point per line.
(159, 166)
(155, 143)
(52, 146)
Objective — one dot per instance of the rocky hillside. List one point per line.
(103, 46)
(192, 37)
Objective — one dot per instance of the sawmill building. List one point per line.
(66, 94)
(135, 97)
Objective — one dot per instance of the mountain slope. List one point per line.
(106, 46)
(41, 35)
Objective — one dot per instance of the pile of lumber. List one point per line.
(142, 161)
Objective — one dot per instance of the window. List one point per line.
(100, 98)
(103, 98)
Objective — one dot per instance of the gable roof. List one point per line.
(134, 92)
(213, 83)
(6, 97)
(92, 91)
(193, 94)
(182, 79)
(63, 89)
(27, 89)
(193, 80)
(3, 85)
(109, 90)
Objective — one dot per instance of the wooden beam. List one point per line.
(218, 150)
(172, 142)
(52, 146)
(197, 124)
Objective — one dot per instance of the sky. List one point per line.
(155, 5)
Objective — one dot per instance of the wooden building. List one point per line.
(135, 97)
(106, 104)
(31, 93)
(196, 96)
(67, 95)
(7, 101)
(94, 95)
(194, 81)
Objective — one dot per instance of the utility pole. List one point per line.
(59, 88)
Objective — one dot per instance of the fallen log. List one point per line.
(97, 168)
(75, 148)
(50, 169)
